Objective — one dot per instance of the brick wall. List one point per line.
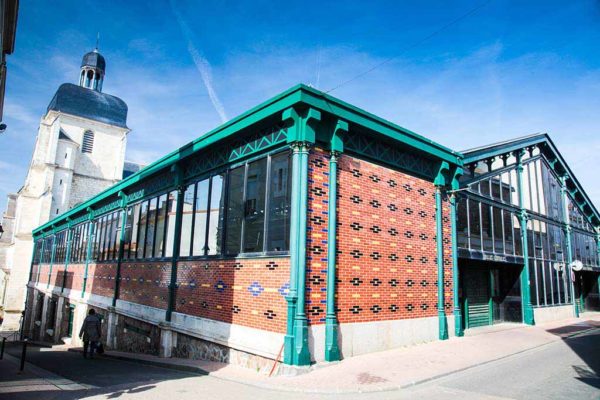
(42, 276)
(74, 279)
(101, 279)
(316, 240)
(247, 292)
(146, 283)
(386, 267)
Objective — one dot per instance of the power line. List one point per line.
(412, 46)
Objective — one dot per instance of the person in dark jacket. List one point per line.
(90, 333)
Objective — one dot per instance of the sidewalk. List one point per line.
(15, 384)
(394, 369)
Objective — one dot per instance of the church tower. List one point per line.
(79, 152)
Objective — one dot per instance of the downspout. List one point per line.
(68, 255)
(332, 350)
(527, 307)
(176, 169)
(88, 252)
(458, 328)
(440, 182)
(123, 205)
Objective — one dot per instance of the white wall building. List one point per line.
(79, 152)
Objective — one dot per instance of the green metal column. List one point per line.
(67, 255)
(439, 239)
(292, 296)
(176, 240)
(120, 253)
(526, 305)
(302, 353)
(88, 251)
(52, 254)
(332, 350)
(458, 328)
(568, 242)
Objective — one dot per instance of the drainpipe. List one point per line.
(526, 305)
(88, 251)
(123, 197)
(458, 328)
(332, 350)
(53, 253)
(177, 170)
(68, 255)
(439, 183)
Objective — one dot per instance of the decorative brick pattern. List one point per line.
(316, 235)
(386, 267)
(146, 283)
(101, 279)
(249, 292)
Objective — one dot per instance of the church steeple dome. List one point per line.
(93, 66)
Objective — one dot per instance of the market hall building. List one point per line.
(303, 230)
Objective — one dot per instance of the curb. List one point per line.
(279, 388)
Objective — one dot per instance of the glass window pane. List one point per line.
(235, 210)
(498, 235)
(150, 230)
(462, 223)
(200, 217)
(127, 235)
(486, 225)
(186, 220)
(134, 231)
(278, 235)
(475, 224)
(254, 206)
(172, 210)
(160, 226)
(215, 224)
(142, 230)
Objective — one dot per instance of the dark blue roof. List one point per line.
(94, 59)
(91, 104)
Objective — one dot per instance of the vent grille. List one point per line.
(88, 142)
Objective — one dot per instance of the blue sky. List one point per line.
(511, 69)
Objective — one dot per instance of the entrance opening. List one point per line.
(589, 297)
(490, 293)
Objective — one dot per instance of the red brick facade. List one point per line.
(249, 292)
(386, 267)
(101, 279)
(146, 283)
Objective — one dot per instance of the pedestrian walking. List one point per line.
(90, 333)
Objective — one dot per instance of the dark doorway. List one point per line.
(588, 289)
(490, 292)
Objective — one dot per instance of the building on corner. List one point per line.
(304, 230)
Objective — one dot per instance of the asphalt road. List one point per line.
(568, 369)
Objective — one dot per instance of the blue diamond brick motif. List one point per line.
(220, 286)
(255, 289)
(284, 290)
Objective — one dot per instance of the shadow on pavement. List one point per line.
(102, 375)
(589, 373)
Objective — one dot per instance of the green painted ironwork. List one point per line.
(37, 278)
(88, 250)
(123, 206)
(332, 350)
(568, 240)
(299, 96)
(67, 257)
(373, 148)
(439, 239)
(292, 297)
(178, 173)
(52, 254)
(526, 305)
(458, 326)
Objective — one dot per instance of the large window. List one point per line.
(148, 230)
(107, 237)
(258, 206)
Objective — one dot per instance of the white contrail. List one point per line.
(202, 64)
